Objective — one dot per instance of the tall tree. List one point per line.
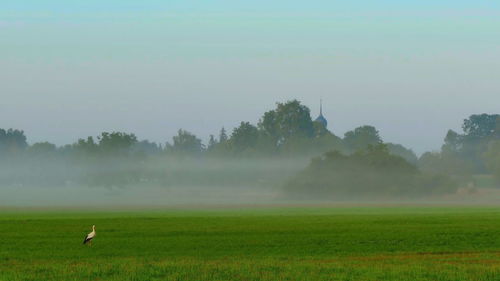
(222, 135)
(212, 142)
(185, 143)
(244, 137)
(289, 120)
(361, 137)
(88, 146)
(452, 142)
(12, 141)
(481, 125)
(479, 131)
(116, 143)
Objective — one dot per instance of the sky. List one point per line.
(413, 69)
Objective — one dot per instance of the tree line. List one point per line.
(288, 130)
(474, 151)
(285, 132)
(371, 173)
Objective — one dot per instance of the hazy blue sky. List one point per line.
(413, 69)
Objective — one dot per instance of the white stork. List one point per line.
(89, 236)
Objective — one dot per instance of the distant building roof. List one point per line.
(321, 119)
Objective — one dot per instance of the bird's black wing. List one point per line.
(85, 240)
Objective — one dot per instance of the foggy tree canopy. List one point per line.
(286, 135)
(369, 173)
(471, 152)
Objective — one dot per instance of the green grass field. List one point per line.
(309, 243)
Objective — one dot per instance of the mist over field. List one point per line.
(286, 158)
(162, 183)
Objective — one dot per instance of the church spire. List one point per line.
(321, 119)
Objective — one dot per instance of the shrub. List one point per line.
(372, 173)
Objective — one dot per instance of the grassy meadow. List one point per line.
(275, 243)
